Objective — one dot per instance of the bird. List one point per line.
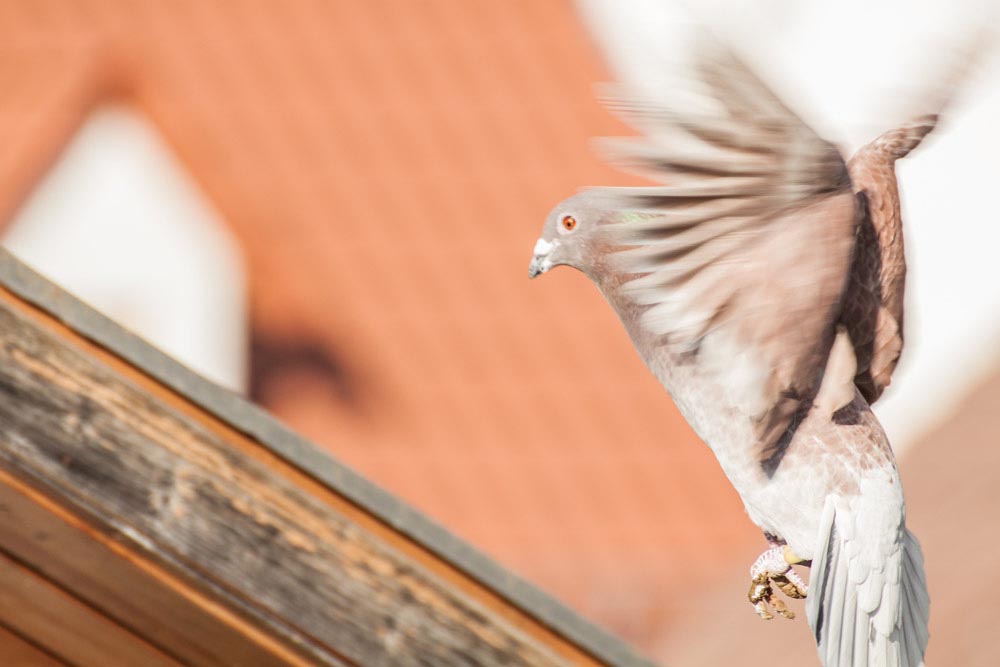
(761, 280)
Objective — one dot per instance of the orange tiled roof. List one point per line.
(386, 166)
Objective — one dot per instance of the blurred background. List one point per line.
(330, 206)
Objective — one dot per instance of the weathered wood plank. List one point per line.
(256, 434)
(141, 596)
(148, 477)
(48, 616)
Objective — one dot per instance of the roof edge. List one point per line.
(259, 425)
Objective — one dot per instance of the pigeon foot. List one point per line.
(774, 567)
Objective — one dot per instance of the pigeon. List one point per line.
(761, 281)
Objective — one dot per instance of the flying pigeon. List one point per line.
(762, 284)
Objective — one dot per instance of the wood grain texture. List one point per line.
(17, 652)
(44, 613)
(147, 599)
(246, 547)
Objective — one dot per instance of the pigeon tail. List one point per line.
(867, 608)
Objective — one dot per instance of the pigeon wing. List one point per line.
(873, 302)
(739, 261)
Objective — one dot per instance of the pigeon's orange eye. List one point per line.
(569, 223)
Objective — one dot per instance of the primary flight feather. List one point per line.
(762, 284)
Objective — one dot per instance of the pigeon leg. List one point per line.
(774, 566)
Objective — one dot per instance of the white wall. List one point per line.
(854, 68)
(119, 222)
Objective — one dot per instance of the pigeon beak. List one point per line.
(537, 266)
(541, 261)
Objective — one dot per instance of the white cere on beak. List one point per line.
(543, 247)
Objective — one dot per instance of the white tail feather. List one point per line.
(867, 612)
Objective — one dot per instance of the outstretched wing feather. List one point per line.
(746, 245)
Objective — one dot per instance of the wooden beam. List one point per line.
(48, 616)
(128, 589)
(15, 651)
(199, 525)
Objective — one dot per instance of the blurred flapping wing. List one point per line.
(739, 261)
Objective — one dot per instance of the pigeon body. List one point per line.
(762, 284)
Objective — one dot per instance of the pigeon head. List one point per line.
(571, 233)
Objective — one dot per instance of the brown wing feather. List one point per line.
(873, 302)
